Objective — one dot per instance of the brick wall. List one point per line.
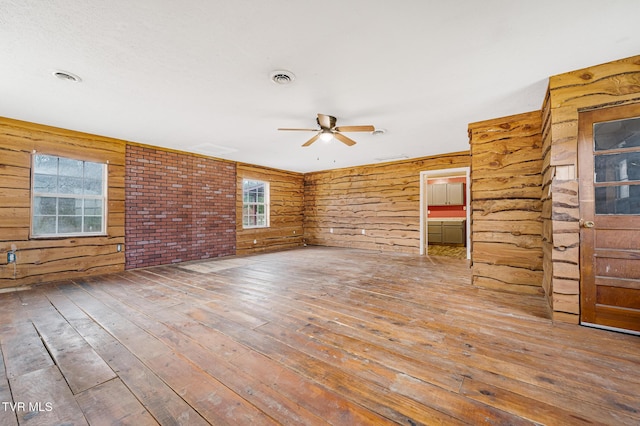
(178, 207)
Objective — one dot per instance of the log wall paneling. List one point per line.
(611, 84)
(39, 260)
(506, 185)
(381, 199)
(286, 211)
(179, 207)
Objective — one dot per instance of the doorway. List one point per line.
(438, 202)
(609, 178)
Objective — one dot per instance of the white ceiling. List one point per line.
(194, 74)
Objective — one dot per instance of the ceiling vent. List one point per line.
(67, 76)
(282, 77)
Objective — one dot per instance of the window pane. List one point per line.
(619, 199)
(93, 170)
(70, 206)
(92, 224)
(43, 225)
(93, 207)
(46, 164)
(93, 186)
(70, 167)
(69, 224)
(45, 184)
(44, 206)
(69, 185)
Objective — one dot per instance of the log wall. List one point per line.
(41, 260)
(286, 211)
(611, 84)
(381, 199)
(506, 223)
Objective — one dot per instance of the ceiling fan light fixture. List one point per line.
(326, 136)
(282, 77)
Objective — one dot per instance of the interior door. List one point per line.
(609, 175)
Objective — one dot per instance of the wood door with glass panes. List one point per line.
(609, 174)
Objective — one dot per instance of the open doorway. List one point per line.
(444, 212)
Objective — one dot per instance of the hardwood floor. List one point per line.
(309, 336)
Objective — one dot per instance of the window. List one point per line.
(255, 204)
(68, 197)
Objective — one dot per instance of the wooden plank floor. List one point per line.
(309, 336)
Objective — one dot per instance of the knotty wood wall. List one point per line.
(383, 199)
(506, 190)
(41, 260)
(611, 84)
(286, 211)
(179, 207)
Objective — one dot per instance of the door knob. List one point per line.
(587, 223)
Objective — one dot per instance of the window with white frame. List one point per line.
(255, 204)
(68, 197)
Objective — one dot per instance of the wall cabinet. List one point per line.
(447, 232)
(445, 194)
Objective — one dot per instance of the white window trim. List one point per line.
(104, 198)
(266, 203)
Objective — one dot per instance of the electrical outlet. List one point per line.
(363, 232)
(331, 230)
(11, 257)
(119, 248)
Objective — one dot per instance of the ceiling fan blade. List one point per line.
(298, 130)
(312, 140)
(345, 140)
(355, 129)
(326, 121)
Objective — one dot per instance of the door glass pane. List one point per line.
(617, 167)
(618, 199)
(617, 134)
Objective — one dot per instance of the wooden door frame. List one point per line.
(440, 173)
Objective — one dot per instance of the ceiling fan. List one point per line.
(328, 130)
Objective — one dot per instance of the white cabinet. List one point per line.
(445, 194)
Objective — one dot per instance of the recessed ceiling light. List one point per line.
(67, 76)
(282, 77)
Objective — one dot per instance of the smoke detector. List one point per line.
(282, 77)
(378, 132)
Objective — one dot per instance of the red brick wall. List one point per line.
(178, 207)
